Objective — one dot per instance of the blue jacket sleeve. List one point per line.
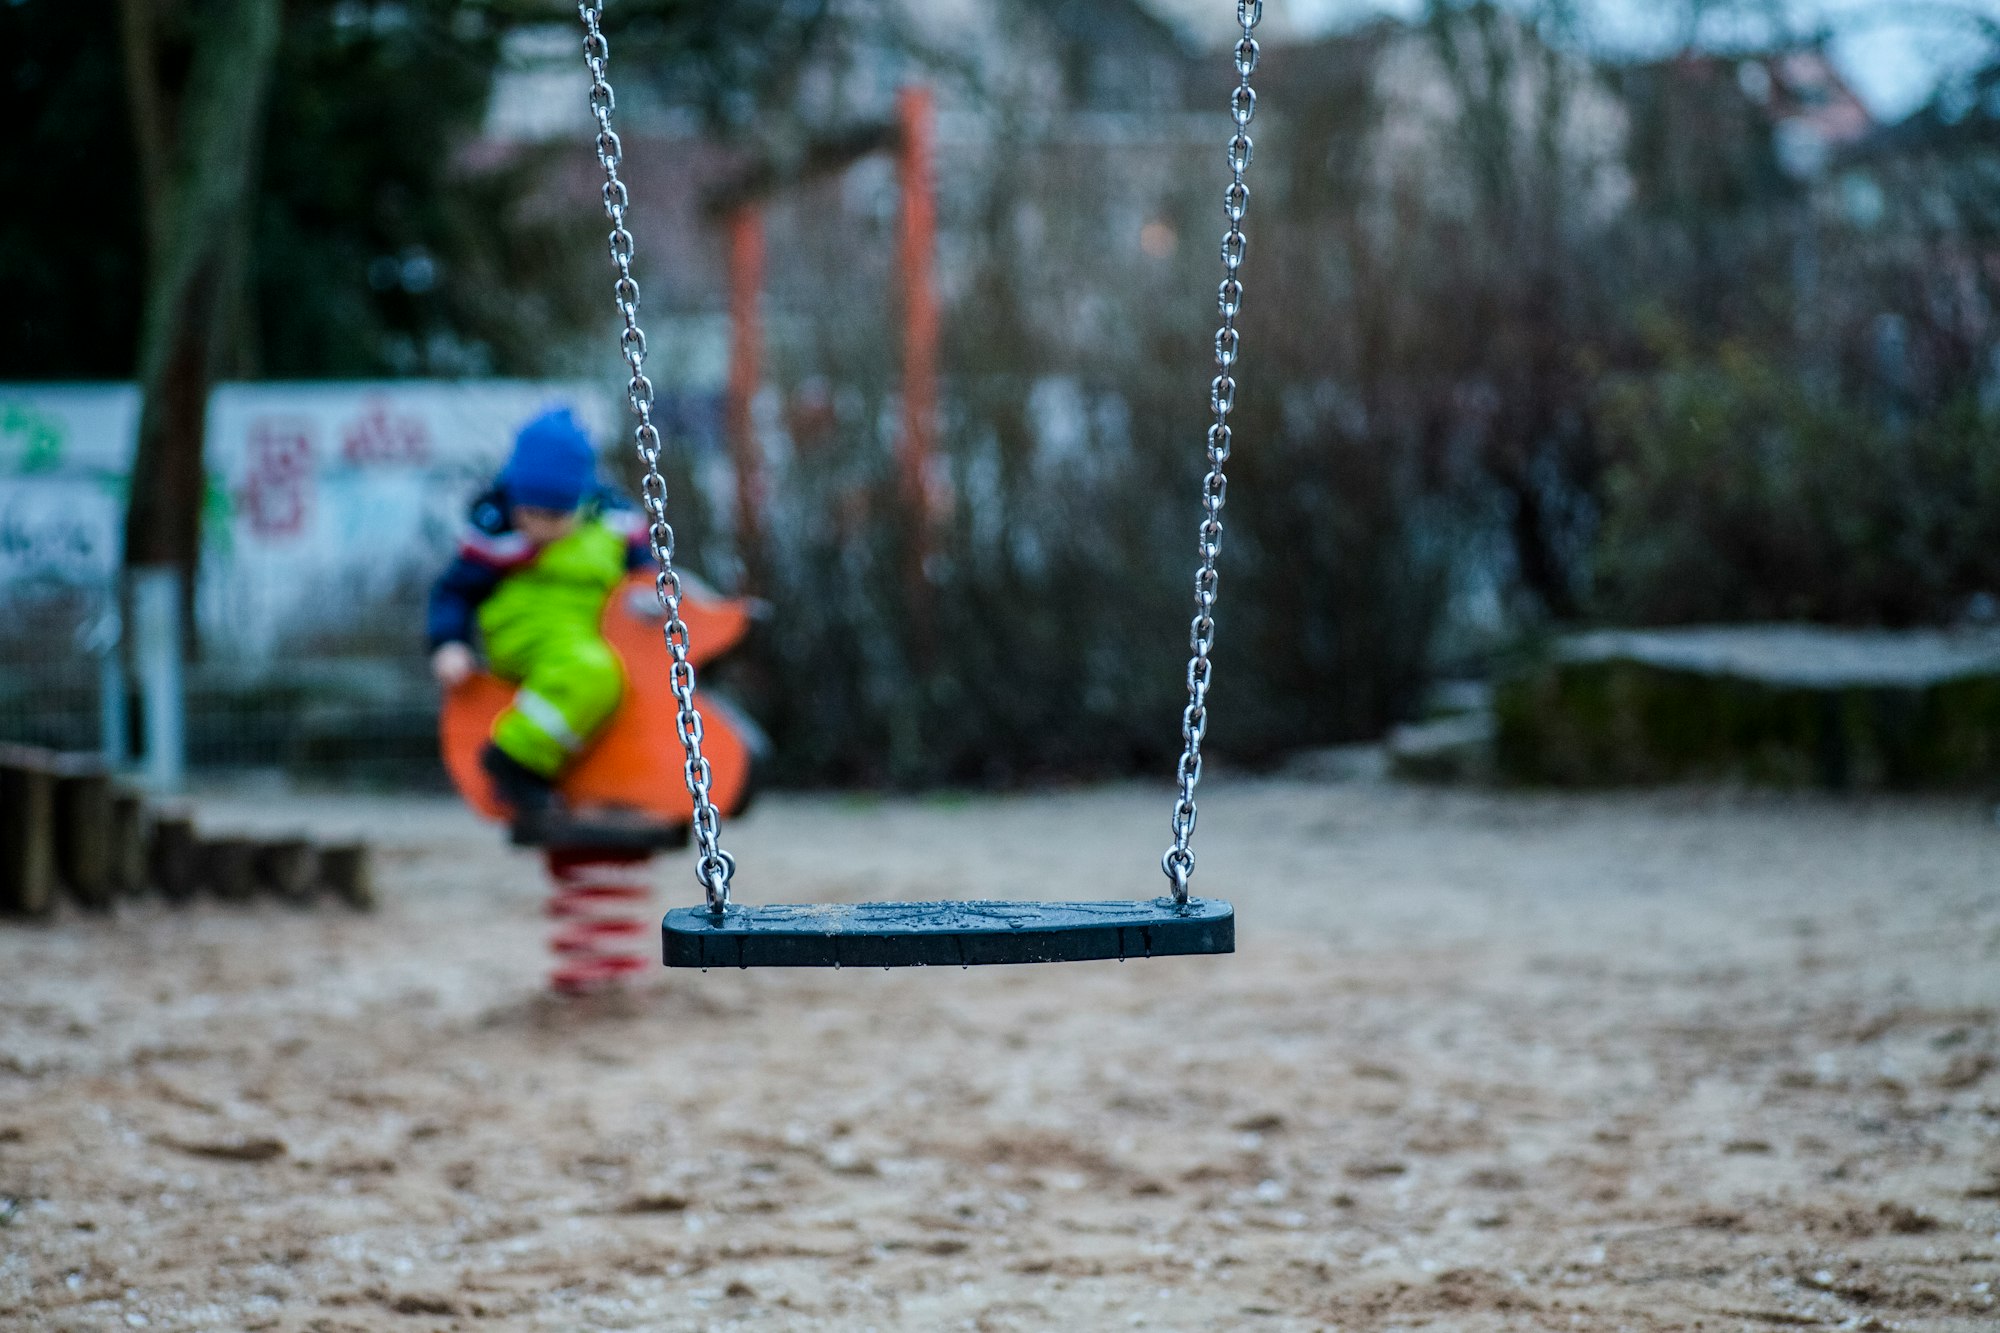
(465, 583)
(488, 549)
(638, 552)
(623, 517)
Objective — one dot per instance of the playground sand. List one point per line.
(1648, 1062)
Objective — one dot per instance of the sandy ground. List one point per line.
(1675, 1061)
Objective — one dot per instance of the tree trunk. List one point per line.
(198, 152)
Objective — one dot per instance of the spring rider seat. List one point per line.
(626, 795)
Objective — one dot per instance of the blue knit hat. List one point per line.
(552, 465)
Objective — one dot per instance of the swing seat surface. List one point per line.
(944, 934)
(629, 781)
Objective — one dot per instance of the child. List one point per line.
(541, 554)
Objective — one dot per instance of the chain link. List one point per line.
(1178, 862)
(713, 866)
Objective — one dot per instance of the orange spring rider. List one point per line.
(632, 773)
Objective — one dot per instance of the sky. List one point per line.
(1893, 52)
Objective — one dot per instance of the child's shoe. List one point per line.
(529, 797)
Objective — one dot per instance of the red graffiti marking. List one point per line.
(376, 438)
(277, 487)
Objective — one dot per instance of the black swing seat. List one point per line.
(944, 934)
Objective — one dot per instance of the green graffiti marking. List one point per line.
(218, 514)
(42, 437)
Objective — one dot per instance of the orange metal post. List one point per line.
(746, 352)
(916, 247)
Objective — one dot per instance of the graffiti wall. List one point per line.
(327, 503)
(64, 455)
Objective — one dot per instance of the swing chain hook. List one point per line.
(714, 867)
(1178, 863)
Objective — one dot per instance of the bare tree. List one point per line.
(197, 74)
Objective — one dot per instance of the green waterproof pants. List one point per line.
(541, 629)
(571, 687)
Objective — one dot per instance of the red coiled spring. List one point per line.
(599, 900)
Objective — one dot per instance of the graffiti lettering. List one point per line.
(376, 438)
(277, 487)
(40, 433)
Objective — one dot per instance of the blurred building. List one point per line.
(1813, 112)
(1101, 122)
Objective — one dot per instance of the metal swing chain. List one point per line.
(1178, 862)
(713, 866)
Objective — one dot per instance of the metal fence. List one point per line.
(65, 684)
(52, 685)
